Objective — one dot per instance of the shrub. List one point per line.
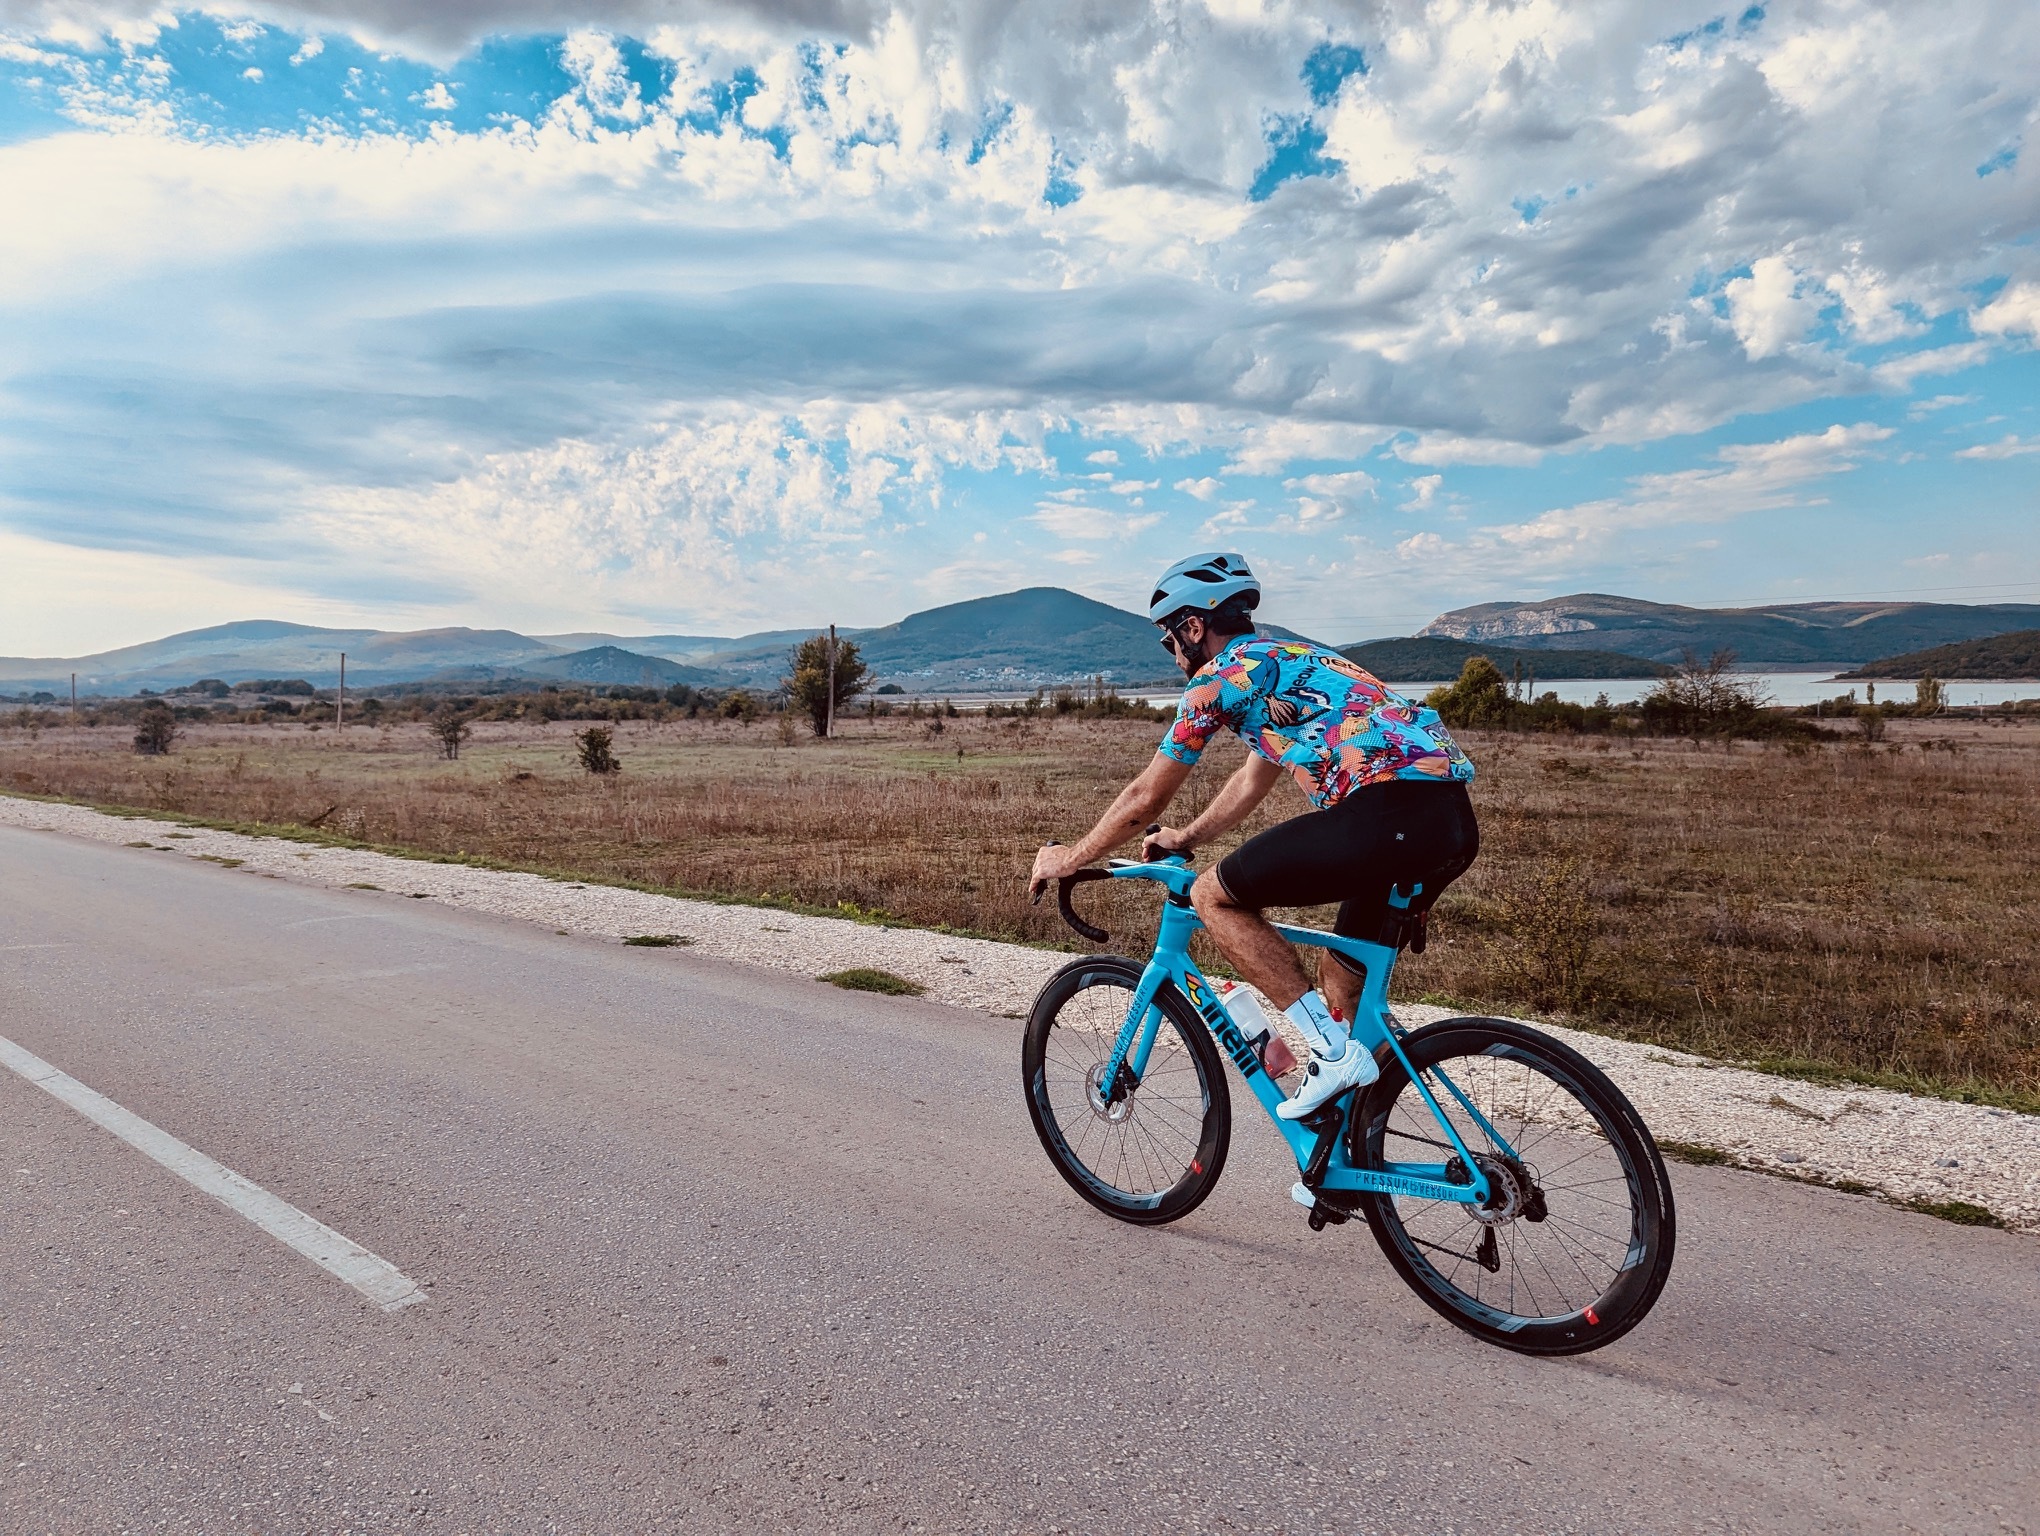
(296, 687)
(450, 729)
(1479, 697)
(155, 729)
(1551, 919)
(807, 679)
(595, 753)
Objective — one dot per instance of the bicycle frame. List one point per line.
(1171, 963)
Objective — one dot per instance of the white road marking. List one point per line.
(377, 1279)
(10, 948)
(350, 917)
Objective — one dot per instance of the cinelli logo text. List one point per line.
(1229, 1037)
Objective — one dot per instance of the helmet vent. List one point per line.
(1210, 576)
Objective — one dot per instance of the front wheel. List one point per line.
(1147, 1153)
(1574, 1242)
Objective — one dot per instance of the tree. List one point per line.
(450, 729)
(155, 729)
(1479, 697)
(1930, 695)
(807, 681)
(1704, 698)
(595, 753)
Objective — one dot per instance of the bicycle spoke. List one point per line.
(1565, 1197)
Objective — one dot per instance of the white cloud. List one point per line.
(1523, 254)
(1326, 498)
(1922, 409)
(251, 73)
(1768, 309)
(1103, 456)
(1753, 477)
(1900, 372)
(2014, 312)
(308, 50)
(2011, 446)
(1446, 450)
(1423, 492)
(1065, 521)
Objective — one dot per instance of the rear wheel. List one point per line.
(1575, 1240)
(1150, 1152)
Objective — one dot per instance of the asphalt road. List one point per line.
(708, 1248)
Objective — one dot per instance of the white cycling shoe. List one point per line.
(1328, 1077)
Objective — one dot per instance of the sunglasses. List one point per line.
(1171, 641)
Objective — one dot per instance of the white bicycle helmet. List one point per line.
(1201, 583)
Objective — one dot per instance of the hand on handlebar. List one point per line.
(1162, 841)
(1051, 864)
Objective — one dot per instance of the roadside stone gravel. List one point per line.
(1898, 1145)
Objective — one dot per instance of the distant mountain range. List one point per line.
(1841, 633)
(1432, 659)
(1018, 640)
(2001, 658)
(1039, 637)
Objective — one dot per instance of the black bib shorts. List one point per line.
(1380, 836)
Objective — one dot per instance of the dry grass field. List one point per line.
(1867, 910)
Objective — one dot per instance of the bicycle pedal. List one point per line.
(1322, 1215)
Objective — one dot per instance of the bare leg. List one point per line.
(1341, 987)
(1260, 954)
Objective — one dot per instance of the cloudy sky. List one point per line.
(710, 317)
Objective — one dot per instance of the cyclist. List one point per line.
(1387, 783)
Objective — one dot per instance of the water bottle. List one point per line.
(1254, 1026)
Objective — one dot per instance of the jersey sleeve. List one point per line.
(1204, 710)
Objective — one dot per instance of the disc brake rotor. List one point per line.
(1094, 1093)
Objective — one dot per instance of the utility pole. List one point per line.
(74, 698)
(829, 729)
(340, 709)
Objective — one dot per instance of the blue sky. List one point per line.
(584, 317)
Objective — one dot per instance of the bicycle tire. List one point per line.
(1166, 1150)
(1555, 1302)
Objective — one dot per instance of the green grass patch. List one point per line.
(361, 885)
(657, 940)
(224, 863)
(1694, 1153)
(1961, 1212)
(865, 979)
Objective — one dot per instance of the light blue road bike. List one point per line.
(1507, 1180)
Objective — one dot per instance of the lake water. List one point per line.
(1785, 688)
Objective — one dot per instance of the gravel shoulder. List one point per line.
(1905, 1148)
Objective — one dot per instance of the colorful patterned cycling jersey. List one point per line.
(1313, 712)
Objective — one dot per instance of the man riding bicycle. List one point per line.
(1387, 783)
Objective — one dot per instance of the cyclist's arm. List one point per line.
(1247, 788)
(1138, 805)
